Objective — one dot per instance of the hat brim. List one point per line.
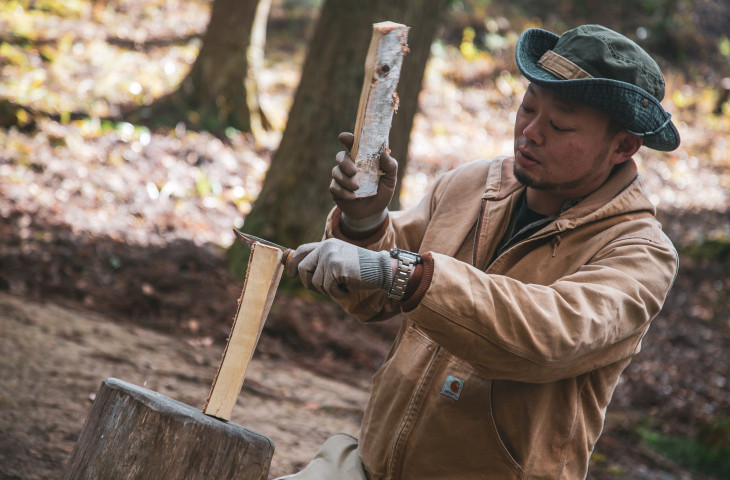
(633, 107)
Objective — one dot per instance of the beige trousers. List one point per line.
(337, 459)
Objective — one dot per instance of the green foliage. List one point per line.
(723, 45)
(203, 185)
(12, 54)
(709, 454)
(716, 249)
(61, 8)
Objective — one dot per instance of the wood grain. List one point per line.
(262, 279)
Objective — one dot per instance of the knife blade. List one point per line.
(249, 240)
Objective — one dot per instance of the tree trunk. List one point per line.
(213, 96)
(424, 17)
(255, 59)
(294, 199)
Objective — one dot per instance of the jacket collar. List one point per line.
(501, 181)
(623, 192)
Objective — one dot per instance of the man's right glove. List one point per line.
(361, 214)
(335, 268)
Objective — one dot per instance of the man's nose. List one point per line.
(533, 131)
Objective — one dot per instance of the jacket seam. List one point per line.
(408, 420)
(571, 438)
(477, 231)
(501, 446)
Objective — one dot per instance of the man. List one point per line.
(535, 278)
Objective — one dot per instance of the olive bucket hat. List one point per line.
(598, 67)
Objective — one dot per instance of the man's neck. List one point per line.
(544, 202)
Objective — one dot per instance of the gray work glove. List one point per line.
(335, 268)
(361, 213)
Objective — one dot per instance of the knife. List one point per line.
(249, 240)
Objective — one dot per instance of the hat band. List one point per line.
(655, 132)
(561, 67)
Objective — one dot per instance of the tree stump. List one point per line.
(135, 433)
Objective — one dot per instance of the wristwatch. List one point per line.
(407, 262)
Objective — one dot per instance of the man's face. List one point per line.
(561, 147)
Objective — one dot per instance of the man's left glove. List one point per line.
(334, 267)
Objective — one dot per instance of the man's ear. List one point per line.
(627, 145)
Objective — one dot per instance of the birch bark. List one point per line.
(378, 102)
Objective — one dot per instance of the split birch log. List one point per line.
(262, 279)
(378, 102)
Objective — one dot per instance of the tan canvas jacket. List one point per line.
(505, 370)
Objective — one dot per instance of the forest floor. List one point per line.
(113, 238)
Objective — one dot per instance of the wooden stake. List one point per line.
(378, 102)
(262, 279)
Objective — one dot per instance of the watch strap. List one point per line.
(407, 262)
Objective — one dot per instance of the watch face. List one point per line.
(405, 255)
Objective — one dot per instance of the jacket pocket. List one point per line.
(455, 435)
(430, 417)
(395, 389)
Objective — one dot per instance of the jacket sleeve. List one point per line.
(402, 229)
(541, 333)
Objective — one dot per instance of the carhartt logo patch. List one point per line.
(452, 387)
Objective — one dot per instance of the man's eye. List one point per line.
(526, 109)
(558, 129)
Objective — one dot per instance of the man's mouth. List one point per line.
(524, 156)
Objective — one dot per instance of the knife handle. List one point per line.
(286, 256)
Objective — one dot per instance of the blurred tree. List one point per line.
(294, 199)
(687, 33)
(220, 89)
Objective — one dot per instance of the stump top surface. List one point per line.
(163, 404)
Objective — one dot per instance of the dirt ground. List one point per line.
(54, 359)
(310, 375)
(112, 252)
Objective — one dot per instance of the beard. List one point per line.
(546, 185)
